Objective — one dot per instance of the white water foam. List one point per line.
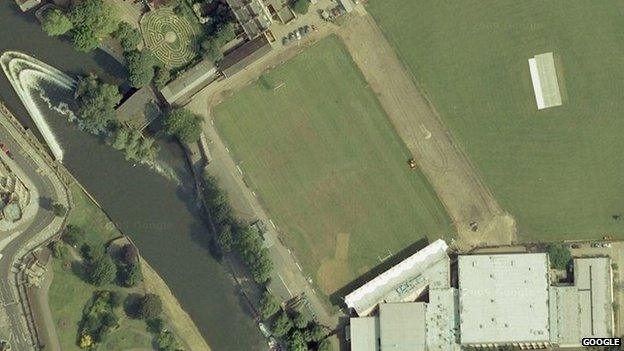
(26, 75)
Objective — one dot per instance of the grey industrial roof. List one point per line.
(190, 81)
(402, 280)
(244, 55)
(592, 277)
(503, 298)
(564, 315)
(442, 320)
(251, 16)
(402, 326)
(364, 333)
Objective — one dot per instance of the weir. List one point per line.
(26, 73)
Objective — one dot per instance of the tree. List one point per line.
(96, 104)
(211, 50)
(140, 65)
(92, 20)
(315, 333)
(128, 36)
(559, 256)
(129, 254)
(102, 271)
(54, 22)
(301, 320)
(156, 325)
(183, 124)
(324, 345)
(296, 342)
(85, 341)
(130, 275)
(224, 34)
(167, 342)
(161, 77)
(150, 307)
(73, 235)
(224, 238)
(301, 6)
(59, 209)
(282, 325)
(268, 305)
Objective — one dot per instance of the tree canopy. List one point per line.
(161, 77)
(301, 6)
(296, 342)
(268, 305)
(150, 306)
(102, 270)
(282, 325)
(73, 235)
(54, 22)
(96, 104)
(140, 65)
(135, 146)
(183, 124)
(559, 256)
(92, 20)
(128, 36)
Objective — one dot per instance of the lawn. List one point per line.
(558, 171)
(69, 293)
(316, 146)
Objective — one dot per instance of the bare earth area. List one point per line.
(448, 169)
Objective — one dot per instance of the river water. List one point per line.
(161, 217)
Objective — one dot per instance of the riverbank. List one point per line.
(69, 292)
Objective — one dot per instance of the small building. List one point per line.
(364, 334)
(27, 5)
(347, 5)
(189, 83)
(252, 16)
(140, 109)
(244, 55)
(544, 77)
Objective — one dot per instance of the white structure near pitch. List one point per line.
(544, 77)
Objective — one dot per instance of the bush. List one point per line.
(130, 275)
(58, 209)
(155, 326)
(140, 65)
(150, 307)
(161, 77)
(167, 342)
(59, 250)
(301, 320)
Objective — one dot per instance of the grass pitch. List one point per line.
(558, 171)
(328, 165)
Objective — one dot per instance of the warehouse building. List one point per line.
(501, 299)
(544, 77)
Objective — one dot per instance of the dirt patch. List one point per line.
(332, 275)
(342, 246)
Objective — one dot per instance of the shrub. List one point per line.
(73, 235)
(150, 306)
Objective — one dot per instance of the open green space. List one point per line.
(317, 148)
(558, 171)
(69, 292)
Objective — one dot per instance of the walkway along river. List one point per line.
(162, 218)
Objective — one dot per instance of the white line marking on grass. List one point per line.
(273, 224)
(239, 170)
(298, 266)
(286, 286)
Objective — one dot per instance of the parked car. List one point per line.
(595, 245)
(575, 246)
(606, 245)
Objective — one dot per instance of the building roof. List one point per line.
(364, 333)
(191, 81)
(544, 77)
(503, 298)
(564, 315)
(244, 55)
(401, 278)
(135, 110)
(402, 326)
(251, 15)
(592, 277)
(442, 320)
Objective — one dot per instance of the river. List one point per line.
(161, 217)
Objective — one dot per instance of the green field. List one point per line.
(328, 165)
(560, 171)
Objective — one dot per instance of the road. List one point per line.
(40, 222)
